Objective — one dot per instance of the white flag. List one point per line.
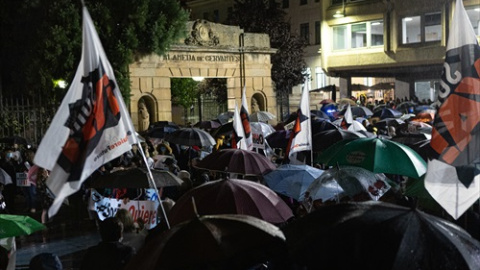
(91, 126)
(244, 116)
(453, 178)
(301, 136)
(239, 135)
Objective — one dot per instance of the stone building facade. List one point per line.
(210, 51)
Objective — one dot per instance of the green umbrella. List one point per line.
(376, 155)
(15, 225)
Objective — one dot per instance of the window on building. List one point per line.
(320, 77)
(433, 26)
(425, 28)
(305, 32)
(411, 30)
(303, 2)
(285, 3)
(316, 1)
(216, 16)
(340, 35)
(473, 13)
(358, 35)
(205, 16)
(376, 33)
(317, 32)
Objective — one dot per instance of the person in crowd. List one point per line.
(131, 235)
(163, 148)
(9, 165)
(110, 253)
(45, 261)
(187, 183)
(30, 190)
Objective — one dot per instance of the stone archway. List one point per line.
(210, 51)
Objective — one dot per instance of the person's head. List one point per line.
(126, 218)
(184, 175)
(111, 229)
(45, 261)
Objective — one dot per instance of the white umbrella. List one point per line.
(5, 178)
(261, 116)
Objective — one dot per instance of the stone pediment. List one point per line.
(203, 33)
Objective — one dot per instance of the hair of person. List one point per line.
(111, 229)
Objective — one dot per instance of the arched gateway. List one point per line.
(211, 51)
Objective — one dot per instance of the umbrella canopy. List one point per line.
(225, 117)
(5, 178)
(378, 235)
(386, 122)
(14, 140)
(237, 161)
(212, 242)
(327, 138)
(292, 180)
(278, 139)
(387, 113)
(208, 124)
(16, 225)
(320, 114)
(376, 155)
(345, 101)
(327, 101)
(159, 132)
(319, 125)
(224, 129)
(358, 111)
(135, 178)
(231, 196)
(261, 116)
(262, 128)
(353, 180)
(191, 137)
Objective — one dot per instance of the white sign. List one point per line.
(108, 207)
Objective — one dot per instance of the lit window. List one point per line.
(411, 30)
(376, 33)
(340, 35)
(474, 16)
(433, 26)
(359, 35)
(320, 77)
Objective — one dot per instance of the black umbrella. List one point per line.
(377, 235)
(358, 111)
(324, 139)
(159, 132)
(135, 178)
(191, 137)
(212, 242)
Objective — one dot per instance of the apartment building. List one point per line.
(367, 46)
(400, 39)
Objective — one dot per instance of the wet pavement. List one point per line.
(68, 235)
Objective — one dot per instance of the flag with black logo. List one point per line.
(453, 177)
(91, 126)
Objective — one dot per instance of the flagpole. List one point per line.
(152, 183)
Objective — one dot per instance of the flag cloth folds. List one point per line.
(301, 135)
(455, 134)
(347, 118)
(244, 115)
(238, 135)
(91, 126)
